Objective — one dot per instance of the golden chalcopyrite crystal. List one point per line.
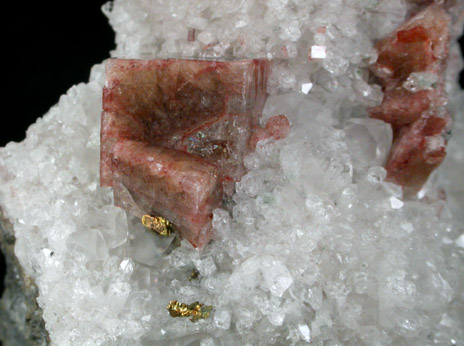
(158, 224)
(194, 275)
(195, 310)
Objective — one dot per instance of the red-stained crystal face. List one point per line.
(410, 68)
(418, 150)
(401, 107)
(277, 127)
(420, 44)
(173, 131)
(409, 51)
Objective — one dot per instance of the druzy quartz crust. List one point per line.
(280, 172)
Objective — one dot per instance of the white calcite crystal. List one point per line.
(315, 247)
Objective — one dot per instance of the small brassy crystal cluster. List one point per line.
(158, 224)
(195, 310)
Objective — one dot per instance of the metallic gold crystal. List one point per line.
(194, 275)
(195, 310)
(158, 224)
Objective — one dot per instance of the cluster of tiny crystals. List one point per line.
(314, 247)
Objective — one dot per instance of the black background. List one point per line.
(48, 49)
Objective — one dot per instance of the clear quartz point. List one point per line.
(369, 141)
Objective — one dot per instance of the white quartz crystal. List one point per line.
(314, 247)
(306, 87)
(318, 52)
(396, 203)
(420, 81)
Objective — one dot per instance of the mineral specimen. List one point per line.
(174, 134)
(410, 66)
(314, 247)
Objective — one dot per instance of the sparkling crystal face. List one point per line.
(173, 131)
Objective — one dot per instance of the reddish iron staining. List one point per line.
(277, 127)
(418, 118)
(410, 51)
(284, 51)
(321, 30)
(181, 187)
(191, 35)
(417, 151)
(174, 134)
(416, 34)
(401, 107)
(425, 2)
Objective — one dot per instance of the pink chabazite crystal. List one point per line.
(410, 67)
(401, 107)
(417, 151)
(420, 44)
(277, 127)
(174, 134)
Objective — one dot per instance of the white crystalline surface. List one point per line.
(314, 248)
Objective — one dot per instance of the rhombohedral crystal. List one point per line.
(174, 134)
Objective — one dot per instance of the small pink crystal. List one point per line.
(174, 134)
(420, 44)
(401, 107)
(191, 35)
(417, 151)
(277, 127)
